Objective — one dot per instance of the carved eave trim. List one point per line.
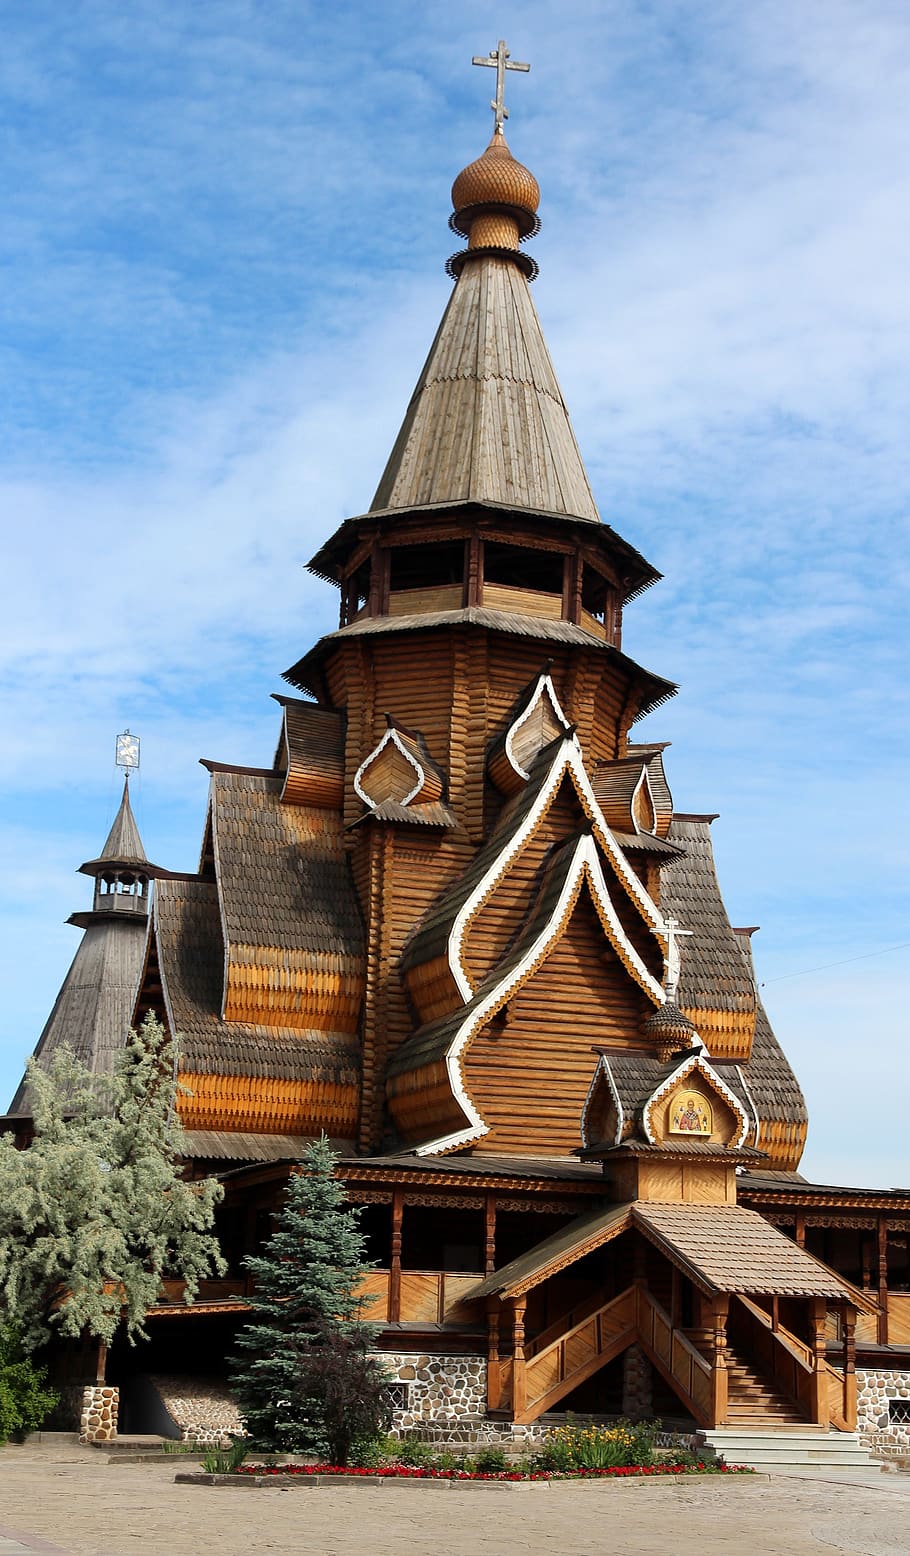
(751, 1101)
(392, 737)
(544, 688)
(602, 1072)
(644, 783)
(356, 1174)
(567, 759)
(225, 937)
(695, 1063)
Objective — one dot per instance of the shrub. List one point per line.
(225, 1461)
(415, 1453)
(491, 1460)
(25, 1399)
(373, 1453)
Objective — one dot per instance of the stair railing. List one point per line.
(673, 1354)
(788, 1361)
(574, 1355)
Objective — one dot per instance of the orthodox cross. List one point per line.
(498, 59)
(674, 933)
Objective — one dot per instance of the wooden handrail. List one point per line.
(798, 1349)
(679, 1335)
(561, 1325)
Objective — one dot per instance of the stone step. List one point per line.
(804, 1449)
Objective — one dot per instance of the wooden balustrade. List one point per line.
(542, 1379)
(796, 1368)
(674, 1355)
(424, 1297)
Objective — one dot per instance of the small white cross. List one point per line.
(499, 60)
(674, 933)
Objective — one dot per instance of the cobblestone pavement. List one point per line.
(67, 1501)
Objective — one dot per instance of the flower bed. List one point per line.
(422, 1472)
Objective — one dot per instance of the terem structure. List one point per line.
(457, 924)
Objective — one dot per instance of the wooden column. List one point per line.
(473, 582)
(575, 593)
(818, 1398)
(489, 1252)
(519, 1381)
(775, 1313)
(801, 1228)
(494, 1371)
(719, 1379)
(848, 1325)
(675, 1303)
(101, 1362)
(395, 1262)
(374, 599)
(883, 1280)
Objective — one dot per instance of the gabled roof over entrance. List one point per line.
(722, 1248)
(727, 1248)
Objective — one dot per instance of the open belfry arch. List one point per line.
(458, 925)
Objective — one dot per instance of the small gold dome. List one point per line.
(496, 179)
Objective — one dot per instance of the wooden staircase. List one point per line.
(753, 1400)
(555, 1369)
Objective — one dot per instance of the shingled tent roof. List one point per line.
(92, 1011)
(487, 420)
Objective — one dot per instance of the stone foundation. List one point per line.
(436, 1390)
(878, 1431)
(637, 1395)
(98, 1421)
(203, 1411)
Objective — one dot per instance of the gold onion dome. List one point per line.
(495, 199)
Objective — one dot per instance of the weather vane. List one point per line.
(127, 752)
(498, 59)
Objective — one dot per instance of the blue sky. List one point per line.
(222, 249)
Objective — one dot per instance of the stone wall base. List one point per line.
(880, 1429)
(98, 1421)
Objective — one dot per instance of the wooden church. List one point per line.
(457, 924)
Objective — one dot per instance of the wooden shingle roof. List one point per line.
(487, 420)
(188, 936)
(728, 1248)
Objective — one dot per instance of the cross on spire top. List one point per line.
(499, 60)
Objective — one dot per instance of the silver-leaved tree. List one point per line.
(95, 1212)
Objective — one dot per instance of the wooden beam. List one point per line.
(848, 1324)
(519, 1378)
(818, 1395)
(883, 1280)
(494, 1370)
(719, 1378)
(395, 1261)
(473, 584)
(489, 1256)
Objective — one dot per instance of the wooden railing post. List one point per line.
(882, 1281)
(849, 1333)
(818, 1392)
(719, 1367)
(394, 1315)
(489, 1257)
(519, 1380)
(494, 1370)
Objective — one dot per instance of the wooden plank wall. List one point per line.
(530, 1078)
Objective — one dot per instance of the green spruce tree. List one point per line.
(96, 1211)
(303, 1377)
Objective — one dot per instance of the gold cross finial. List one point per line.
(498, 59)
